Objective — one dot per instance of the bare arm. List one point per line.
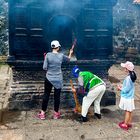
(45, 64)
(70, 53)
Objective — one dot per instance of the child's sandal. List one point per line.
(129, 125)
(123, 126)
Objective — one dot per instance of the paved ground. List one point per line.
(22, 125)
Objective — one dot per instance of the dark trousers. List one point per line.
(47, 90)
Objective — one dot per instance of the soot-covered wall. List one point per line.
(34, 24)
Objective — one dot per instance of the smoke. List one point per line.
(55, 4)
(63, 6)
(63, 17)
(26, 2)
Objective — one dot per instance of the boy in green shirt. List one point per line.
(95, 88)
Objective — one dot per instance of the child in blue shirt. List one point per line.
(127, 90)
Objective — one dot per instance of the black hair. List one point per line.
(53, 46)
(133, 76)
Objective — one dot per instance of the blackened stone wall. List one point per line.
(27, 87)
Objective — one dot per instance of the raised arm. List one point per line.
(70, 53)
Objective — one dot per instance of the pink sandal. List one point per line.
(41, 116)
(129, 125)
(56, 115)
(123, 126)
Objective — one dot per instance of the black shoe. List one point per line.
(82, 119)
(98, 116)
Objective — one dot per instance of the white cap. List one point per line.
(55, 44)
(129, 65)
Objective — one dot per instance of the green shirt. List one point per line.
(90, 80)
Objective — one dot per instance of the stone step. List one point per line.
(28, 82)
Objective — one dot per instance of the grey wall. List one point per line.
(126, 18)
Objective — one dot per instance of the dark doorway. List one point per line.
(62, 28)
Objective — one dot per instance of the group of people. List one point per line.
(92, 86)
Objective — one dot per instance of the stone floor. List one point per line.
(23, 125)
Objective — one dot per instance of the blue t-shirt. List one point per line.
(128, 88)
